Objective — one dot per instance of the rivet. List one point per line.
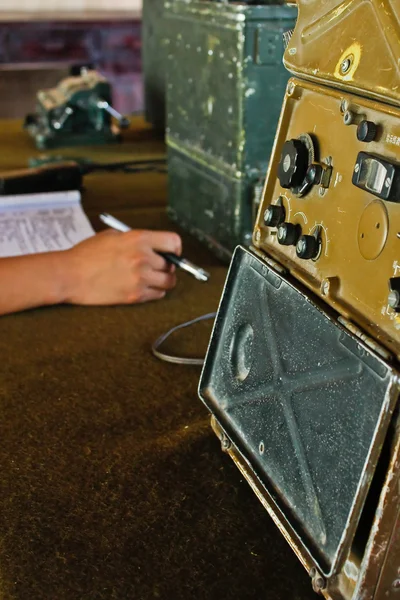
(325, 286)
(290, 88)
(225, 443)
(320, 583)
(345, 66)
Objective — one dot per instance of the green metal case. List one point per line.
(154, 62)
(225, 85)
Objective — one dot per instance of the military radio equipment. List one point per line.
(225, 84)
(77, 112)
(302, 373)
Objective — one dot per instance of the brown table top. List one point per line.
(112, 484)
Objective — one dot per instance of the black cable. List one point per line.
(134, 166)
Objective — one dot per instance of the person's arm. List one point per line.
(109, 268)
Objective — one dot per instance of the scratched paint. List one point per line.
(222, 111)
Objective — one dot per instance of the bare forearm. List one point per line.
(33, 280)
(106, 269)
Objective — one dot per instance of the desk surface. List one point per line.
(112, 484)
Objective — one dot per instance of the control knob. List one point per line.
(307, 247)
(274, 215)
(288, 234)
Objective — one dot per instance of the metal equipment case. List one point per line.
(302, 375)
(225, 87)
(154, 62)
(309, 414)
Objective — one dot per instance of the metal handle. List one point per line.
(104, 105)
(61, 121)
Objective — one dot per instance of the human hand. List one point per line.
(121, 268)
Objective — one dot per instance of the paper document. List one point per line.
(34, 223)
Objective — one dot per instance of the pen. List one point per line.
(183, 263)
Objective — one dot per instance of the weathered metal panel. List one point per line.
(154, 62)
(305, 402)
(366, 61)
(225, 87)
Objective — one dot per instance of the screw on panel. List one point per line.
(344, 105)
(348, 117)
(318, 582)
(321, 191)
(225, 443)
(396, 584)
(357, 168)
(257, 235)
(345, 66)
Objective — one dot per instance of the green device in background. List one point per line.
(78, 112)
(225, 86)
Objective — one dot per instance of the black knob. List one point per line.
(288, 234)
(394, 300)
(274, 215)
(394, 294)
(312, 177)
(293, 164)
(307, 247)
(366, 131)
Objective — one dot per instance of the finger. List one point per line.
(165, 266)
(161, 280)
(151, 294)
(159, 263)
(165, 241)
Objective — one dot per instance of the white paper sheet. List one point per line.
(34, 223)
